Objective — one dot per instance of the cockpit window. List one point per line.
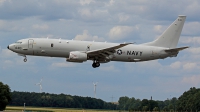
(18, 42)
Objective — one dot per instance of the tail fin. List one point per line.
(170, 36)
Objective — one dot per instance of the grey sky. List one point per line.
(100, 20)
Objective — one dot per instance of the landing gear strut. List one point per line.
(25, 59)
(95, 64)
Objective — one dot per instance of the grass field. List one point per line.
(46, 109)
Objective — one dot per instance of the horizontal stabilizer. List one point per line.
(176, 49)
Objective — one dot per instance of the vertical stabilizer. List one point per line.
(171, 35)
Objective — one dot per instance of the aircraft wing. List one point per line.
(176, 49)
(108, 50)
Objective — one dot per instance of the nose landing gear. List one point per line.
(95, 64)
(25, 59)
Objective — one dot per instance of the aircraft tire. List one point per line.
(25, 60)
(94, 65)
(97, 64)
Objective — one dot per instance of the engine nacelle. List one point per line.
(77, 56)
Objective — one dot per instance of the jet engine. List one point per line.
(77, 56)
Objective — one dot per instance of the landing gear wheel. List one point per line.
(25, 60)
(95, 64)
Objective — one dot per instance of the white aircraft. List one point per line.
(102, 52)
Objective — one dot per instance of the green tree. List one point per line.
(123, 102)
(161, 105)
(189, 101)
(170, 107)
(173, 102)
(145, 108)
(130, 103)
(145, 102)
(165, 108)
(152, 104)
(136, 105)
(5, 96)
(155, 109)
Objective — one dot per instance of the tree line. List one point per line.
(57, 100)
(132, 104)
(188, 101)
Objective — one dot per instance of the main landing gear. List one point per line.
(95, 64)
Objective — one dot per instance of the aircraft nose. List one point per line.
(8, 47)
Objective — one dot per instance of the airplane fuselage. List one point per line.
(62, 48)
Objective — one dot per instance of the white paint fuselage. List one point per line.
(62, 48)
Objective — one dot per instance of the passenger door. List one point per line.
(30, 43)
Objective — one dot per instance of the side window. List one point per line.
(51, 44)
